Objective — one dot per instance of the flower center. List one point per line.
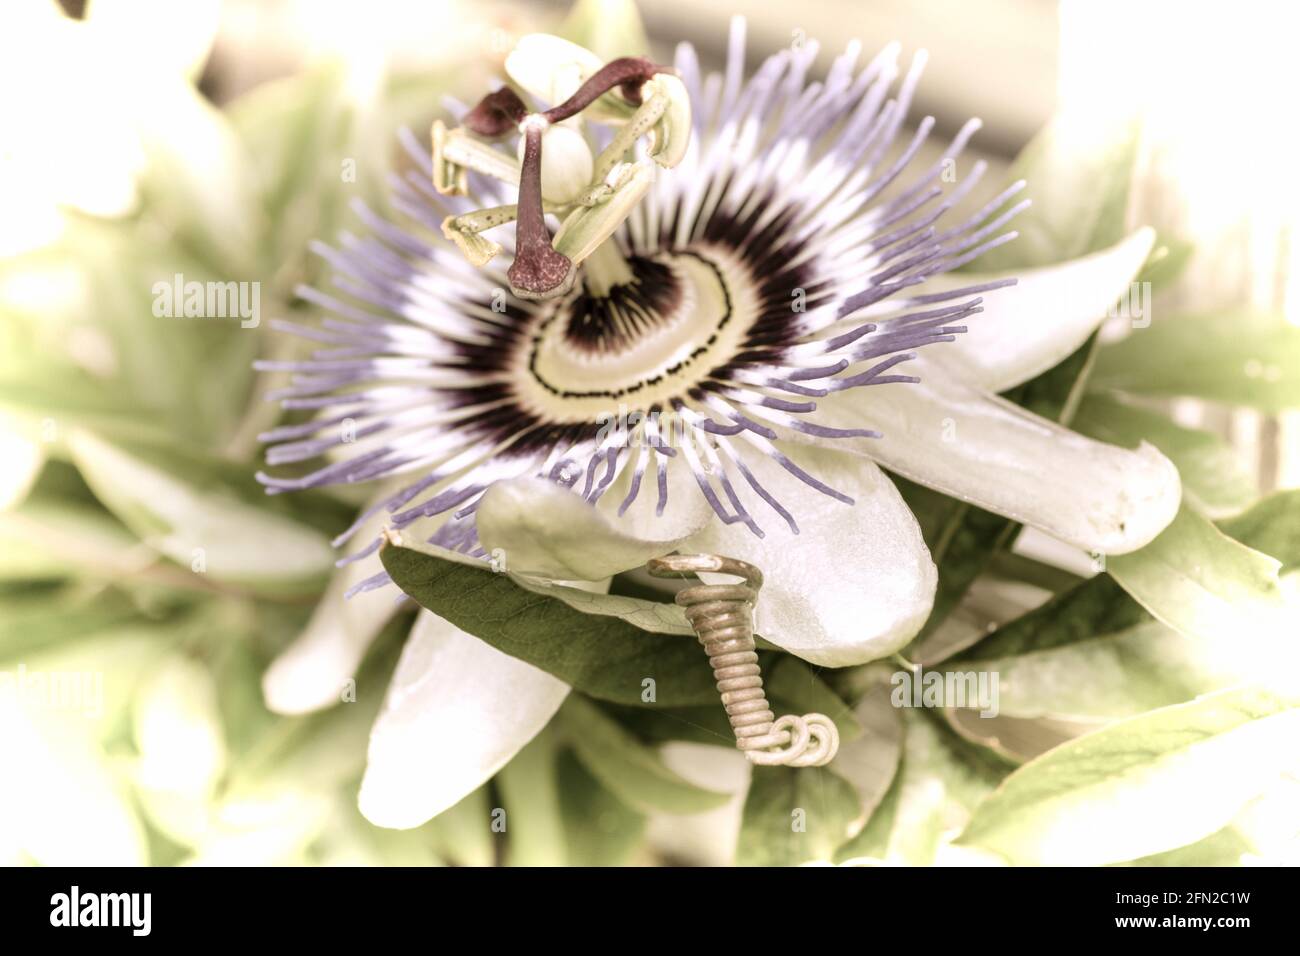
(646, 341)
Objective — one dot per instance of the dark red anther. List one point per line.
(627, 73)
(538, 270)
(496, 114)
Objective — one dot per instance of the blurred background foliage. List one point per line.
(217, 140)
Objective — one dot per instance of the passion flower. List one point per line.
(705, 274)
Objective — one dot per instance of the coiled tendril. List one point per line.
(721, 615)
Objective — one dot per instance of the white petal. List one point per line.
(855, 584)
(1050, 312)
(539, 527)
(311, 673)
(181, 37)
(684, 513)
(550, 67)
(980, 448)
(457, 710)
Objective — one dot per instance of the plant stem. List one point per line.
(605, 268)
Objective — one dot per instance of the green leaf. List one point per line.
(1212, 473)
(962, 540)
(1224, 848)
(530, 790)
(198, 519)
(625, 766)
(870, 762)
(379, 845)
(57, 396)
(1078, 175)
(1093, 652)
(198, 180)
(608, 28)
(324, 138)
(45, 540)
(1099, 606)
(1057, 393)
(795, 815)
(1096, 606)
(44, 619)
(654, 616)
(1271, 526)
(323, 750)
(100, 357)
(600, 830)
(298, 128)
(1113, 675)
(238, 662)
(1009, 566)
(792, 685)
(1168, 260)
(1142, 786)
(1013, 741)
(602, 656)
(706, 724)
(938, 782)
(463, 834)
(872, 842)
(1203, 583)
(1240, 357)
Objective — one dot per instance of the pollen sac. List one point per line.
(587, 228)
(449, 178)
(670, 136)
(479, 251)
(567, 164)
(557, 171)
